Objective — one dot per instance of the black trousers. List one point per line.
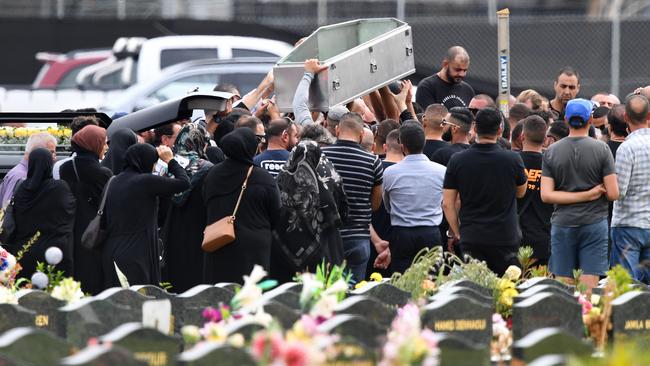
(406, 242)
(497, 257)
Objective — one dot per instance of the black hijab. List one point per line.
(240, 145)
(39, 179)
(140, 158)
(121, 140)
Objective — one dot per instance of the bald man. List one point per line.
(447, 87)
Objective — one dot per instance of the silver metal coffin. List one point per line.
(362, 55)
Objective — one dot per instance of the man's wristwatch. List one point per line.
(450, 235)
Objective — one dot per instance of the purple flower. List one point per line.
(4, 263)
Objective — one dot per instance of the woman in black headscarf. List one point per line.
(313, 203)
(121, 140)
(45, 205)
(257, 212)
(87, 179)
(182, 233)
(131, 215)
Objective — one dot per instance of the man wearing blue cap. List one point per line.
(578, 177)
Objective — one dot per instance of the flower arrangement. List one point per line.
(418, 278)
(596, 310)
(322, 291)
(505, 291)
(68, 290)
(244, 303)
(302, 345)
(8, 267)
(501, 338)
(408, 343)
(19, 135)
(374, 277)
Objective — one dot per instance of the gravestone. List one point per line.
(13, 316)
(631, 317)
(538, 289)
(153, 291)
(384, 292)
(353, 329)
(282, 313)
(188, 306)
(283, 296)
(92, 317)
(536, 281)
(6, 360)
(461, 317)
(46, 308)
(548, 341)
(34, 346)
(102, 355)
(547, 310)
(464, 291)
(369, 308)
(291, 286)
(468, 284)
(230, 286)
(126, 297)
(146, 344)
(455, 351)
(247, 327)
(209, 354)
(549, 360)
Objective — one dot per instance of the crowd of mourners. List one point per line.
(369, 183)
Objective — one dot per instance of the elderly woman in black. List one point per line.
(131, 215)
(87, 178)
(257, 212)
(45, 205)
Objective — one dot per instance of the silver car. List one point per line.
(201, 75)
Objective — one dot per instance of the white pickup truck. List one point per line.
(133, 61)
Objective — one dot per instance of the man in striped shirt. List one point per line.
(631, 216)
(362, 175)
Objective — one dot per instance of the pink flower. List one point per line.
(267, 347)
(309, 324)
(211, 314)
(295, 354)
(586, 304)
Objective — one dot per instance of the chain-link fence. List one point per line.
(544, 34)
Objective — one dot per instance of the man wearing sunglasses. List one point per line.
(459, 122)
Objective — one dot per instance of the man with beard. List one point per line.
(567, 87)
(447, 86)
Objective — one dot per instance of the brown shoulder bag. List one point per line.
(220, 233)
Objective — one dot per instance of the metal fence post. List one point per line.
(322, 12)
(615, 57)
(401, 9)
(121, 9)
(60, 9)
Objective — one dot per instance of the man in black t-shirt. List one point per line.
(459, 122)
(433, 129)
(488, 179)
(534, 215)
(447, 86)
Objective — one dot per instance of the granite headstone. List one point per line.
(548, 341)
(146, 344)
(34, 346)
(46, 308)
(102, 355)
(384, 292)
(546, 310)
(631, 317)
(368, 307)
(461, 317)
(209, 354)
